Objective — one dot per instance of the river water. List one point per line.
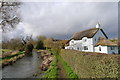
(23, 68)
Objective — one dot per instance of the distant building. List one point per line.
(92, 40)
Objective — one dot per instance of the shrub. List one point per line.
(91, 64)
(28, 48)
(39, 45)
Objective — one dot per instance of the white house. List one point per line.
(92, 40)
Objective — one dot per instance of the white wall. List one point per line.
(72, 42)
(87, 43)
(79, 44)
(103, 49)
(111, 51)
(106, 49)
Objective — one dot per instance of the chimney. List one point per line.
(97, 25)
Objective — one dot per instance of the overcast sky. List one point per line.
(62, 19)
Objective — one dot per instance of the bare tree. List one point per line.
(26, 39)
(9, 16)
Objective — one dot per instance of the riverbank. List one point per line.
(10, 57)
(52, 71)
(58, 68)
(47, 58)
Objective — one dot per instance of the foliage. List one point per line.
(41, 38)
(39, 45)
(68, 70)
(91, 64)
(10, 14)
(13, 44)
(28, 48)
(48, 43)
(53, 45)
(63, 43)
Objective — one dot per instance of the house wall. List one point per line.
(97, 36)
(73, 42)
(103, 49)
(79, 44)
(87, 43)
(111, 51)
(95, 40)
(106, 49)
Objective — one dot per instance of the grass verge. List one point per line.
(11, 56)
(68, 69)
(5, 50)
(52, 72)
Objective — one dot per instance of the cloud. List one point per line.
(62, 19)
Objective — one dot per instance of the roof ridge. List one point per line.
(85, 33)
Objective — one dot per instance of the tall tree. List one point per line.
(9, 16)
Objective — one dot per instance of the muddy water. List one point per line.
(23, 68)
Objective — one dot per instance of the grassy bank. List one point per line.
(5, 50)
(67, 68)
(92, 65)
(11, 56)
(52, 72)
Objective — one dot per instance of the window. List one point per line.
(77, 48)
(99, 38)
(113, 52)
(99, 48)
(85, 48)
(112, 48)
(72, 41)
(95, 39)
(85, 40)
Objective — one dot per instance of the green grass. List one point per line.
(52, 72)
(4, 50)
(9, 57)
(68, 69)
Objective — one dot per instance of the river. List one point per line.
(23, 68)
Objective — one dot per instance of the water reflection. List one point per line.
(23, 68)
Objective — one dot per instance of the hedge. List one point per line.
(91, 64)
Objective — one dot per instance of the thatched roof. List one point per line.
(117, 42)
(105, 42)
(86, 33)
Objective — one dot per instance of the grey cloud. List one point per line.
(61, 20)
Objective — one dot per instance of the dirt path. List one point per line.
(61, 73)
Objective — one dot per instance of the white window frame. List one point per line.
(85, 47)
